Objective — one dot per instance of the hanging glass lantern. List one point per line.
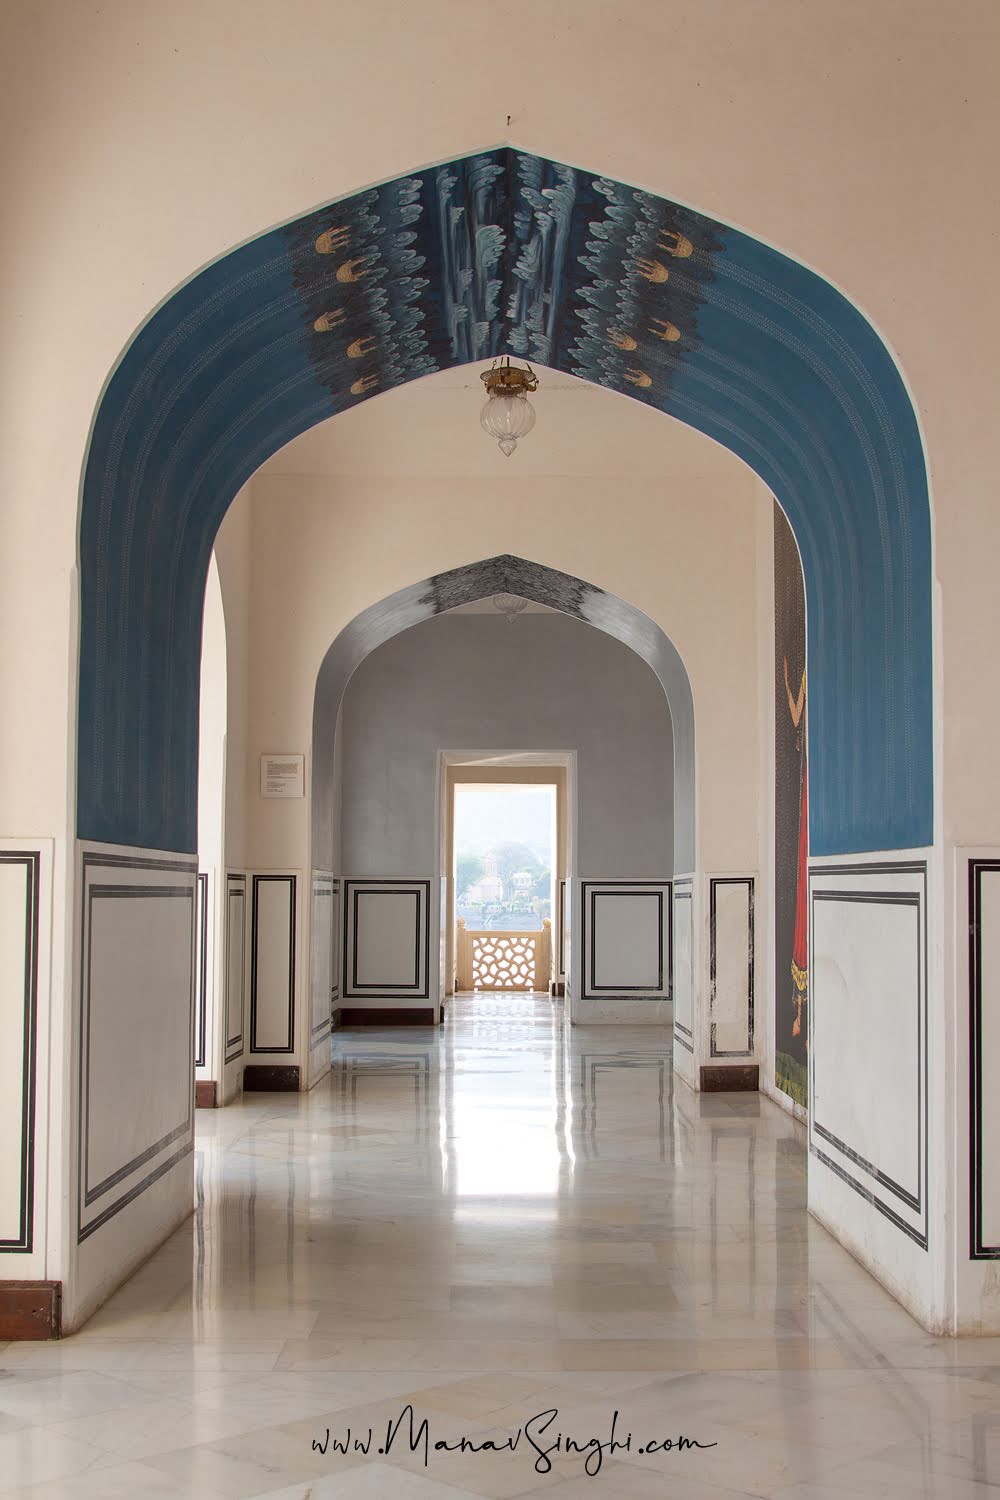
(508, 414)
(510, 606)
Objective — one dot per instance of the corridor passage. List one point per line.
(495, 1222)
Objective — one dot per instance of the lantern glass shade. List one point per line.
(509, 605)
(507, 416)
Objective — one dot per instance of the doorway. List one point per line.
(506, 842)
(504, 884)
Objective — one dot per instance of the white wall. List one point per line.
(853, 137)
(327, 548)
(675, 544)
(26, 1026)
(875, 1110)
(132, 1104)
(233, 559)
(210, 947)
(476, 682)
(127, 109)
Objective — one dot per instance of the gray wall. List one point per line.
(470, 682)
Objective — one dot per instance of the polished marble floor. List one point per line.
(505, 1226)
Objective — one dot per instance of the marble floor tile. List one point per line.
(115, 1482)
(376, 1483)
(499, 1224)
(34, 1401)
(38, 1454)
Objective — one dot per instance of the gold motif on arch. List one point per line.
(675, 243)
(326, 322)
(332, 240)
(653, 270)
(350, 269)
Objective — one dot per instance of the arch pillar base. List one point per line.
(714, 980)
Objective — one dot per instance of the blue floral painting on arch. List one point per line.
(508, 253)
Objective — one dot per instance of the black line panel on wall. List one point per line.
(91, 1191)
(715, 882)
(593, 891)
(236, 892)
(916, 901)
(29, 860)
(324, 888)
(979, 1249)
(379, 984)
(682, 891)
(418, 988)
(201, 1003)
(180, 1135)
(337, 946)
(561, 917)
(258, 882)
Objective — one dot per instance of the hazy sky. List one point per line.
(490, 815)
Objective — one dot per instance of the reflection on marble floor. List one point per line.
(490, 1222)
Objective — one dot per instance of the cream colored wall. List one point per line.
(335, 545)
(212, 699)
(140, 142)
(213, 702)
(233, 560)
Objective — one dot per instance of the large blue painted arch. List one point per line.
(508, 253)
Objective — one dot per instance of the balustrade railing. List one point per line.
(503, 960)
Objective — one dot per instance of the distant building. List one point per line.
(486, 892)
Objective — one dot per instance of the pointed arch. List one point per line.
(508, 252)
(481, 580)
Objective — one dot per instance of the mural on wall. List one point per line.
(501, 253)
(506, 253)
(791, 819)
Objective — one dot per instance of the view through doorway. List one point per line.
(506, 859)
(505, 855)
(504, 881)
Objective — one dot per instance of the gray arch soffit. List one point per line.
(506, 252)
(507, 574)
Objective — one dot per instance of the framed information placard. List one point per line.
(282, 775)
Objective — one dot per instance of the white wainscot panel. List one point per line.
(137, 1017)
(984, 998)
(20, 893)
(386, 939)
(336, 935)
(236, 963)
(322, 929)
(683, 933)
(868, 1036)
(626, 939)
(272, 964)
(732, 965)
(203, 970)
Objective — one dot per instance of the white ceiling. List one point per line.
(431, 427)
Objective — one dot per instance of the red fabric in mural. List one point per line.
(800, 947)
